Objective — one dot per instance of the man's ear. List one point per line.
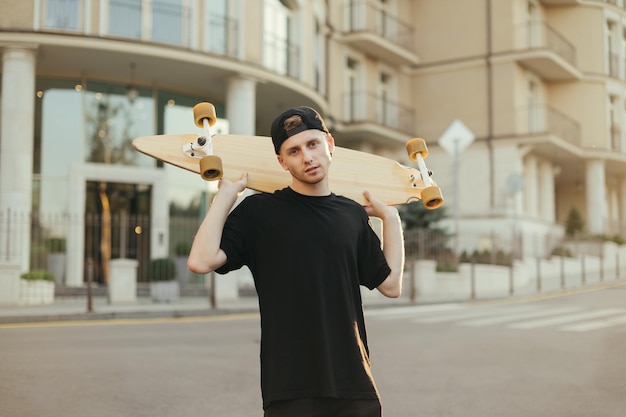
(280, 161)
(331, 142)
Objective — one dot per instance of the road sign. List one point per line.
(456, 138)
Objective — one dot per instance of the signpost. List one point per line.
(454, 141)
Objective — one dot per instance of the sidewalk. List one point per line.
(75, 308)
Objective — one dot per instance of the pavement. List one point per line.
(76, 308)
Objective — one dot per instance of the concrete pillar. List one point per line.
(241, 114)
(595, 189)
(546, 192)
(123, 281)
(531, 192)
(17, 121)
(241, 106)
(622, 205)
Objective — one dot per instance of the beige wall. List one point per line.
(16, 14)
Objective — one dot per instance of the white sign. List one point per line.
(456, 138)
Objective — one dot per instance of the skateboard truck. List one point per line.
(431, 195)
(202, 147)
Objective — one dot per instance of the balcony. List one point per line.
(544, 51)
(370, 29)
(148, 21)
(370, 117)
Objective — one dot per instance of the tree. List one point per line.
(574, 224)
(423, 238)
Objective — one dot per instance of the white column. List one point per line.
(531, 192)
(17, 118)
(241, 114)
(595, 189)
(622, 205)
(241, 106)
(546, 192)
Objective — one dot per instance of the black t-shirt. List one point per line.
(308, 257)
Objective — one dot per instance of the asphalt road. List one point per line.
(557, 357)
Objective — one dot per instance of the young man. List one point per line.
(309, 252)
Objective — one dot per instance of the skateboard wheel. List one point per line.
(432, 197)
(204, 111)
(211, 168)
(416, 146)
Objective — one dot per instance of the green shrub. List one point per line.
(38, 275)
(182, 249)
(55, 245)
(162, 269)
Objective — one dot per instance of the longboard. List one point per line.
(351, 171)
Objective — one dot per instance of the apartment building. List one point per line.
(80, 78)
(541, 85)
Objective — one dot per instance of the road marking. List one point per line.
(400, 312)
(511, 317)
(595, 325)
(470, 313)
(533, 324)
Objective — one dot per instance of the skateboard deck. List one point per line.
(351, 171)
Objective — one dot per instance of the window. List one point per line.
(612, 49)
(219, 29)
(353, 104)
(534, 108)
(63, 14)
(279, 54)
(533, 23)
(125, 18)
(166, 21)
(318, 55)
(387, 107)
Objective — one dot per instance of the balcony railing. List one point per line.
(545, 119)
(538, 35)
(616, 3)
(365, 107)
(152, 21)
(616, 139)
(367, 16)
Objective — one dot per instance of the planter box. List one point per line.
(36, 292)
(55, 263)
(165, 291)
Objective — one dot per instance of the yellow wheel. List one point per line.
(211, 168)
(432, 197)
(416, 146)
(204, 111)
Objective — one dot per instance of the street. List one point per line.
(555, 357)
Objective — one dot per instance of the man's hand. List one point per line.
(377, 208)
(229, 187)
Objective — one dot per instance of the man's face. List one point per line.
(307, 155)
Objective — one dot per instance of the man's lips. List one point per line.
(311, 170)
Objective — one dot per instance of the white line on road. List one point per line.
(533, 324)
(595, 325)
(508, 318)
(469, 313)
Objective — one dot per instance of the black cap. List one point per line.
(310, 119)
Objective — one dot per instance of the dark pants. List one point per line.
(324, 407)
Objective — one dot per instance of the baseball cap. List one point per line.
(310, 119)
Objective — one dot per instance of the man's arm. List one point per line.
(206, 255)
(393, 244)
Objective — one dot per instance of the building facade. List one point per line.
(81, 78)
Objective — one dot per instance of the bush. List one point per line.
(163, 269)
(38, 275)
(182, 249)
(55, 245)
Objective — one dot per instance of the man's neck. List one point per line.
(319, 189)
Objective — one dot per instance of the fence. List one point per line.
(434, 270)
(43, 241)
